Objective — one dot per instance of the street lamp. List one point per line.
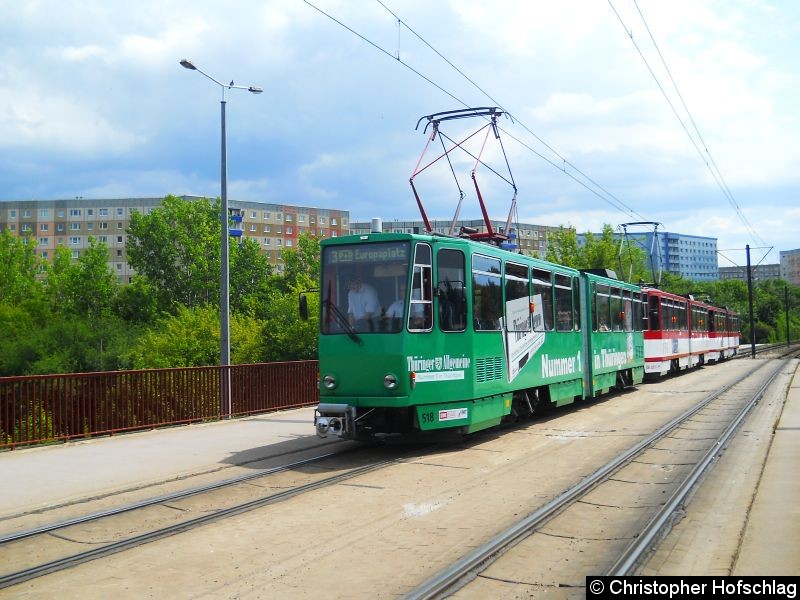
(224, 296)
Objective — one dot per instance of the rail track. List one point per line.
(143, 521)
(48, 549)
(780, 347)
(713, 413)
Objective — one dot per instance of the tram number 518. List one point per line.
(428, 418)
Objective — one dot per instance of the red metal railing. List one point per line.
(47, 408)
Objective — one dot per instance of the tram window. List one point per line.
(420, 311)
(518, 302)
(358, 283)
(637, 311)
(616, 309)
(450, 275)
(576, 302)
(603, 308)
(667, 315)
(700, 323)
(627, 310)
(542, 300)
(487, 293)
(653, 321)
(682, 322)
(563, 302)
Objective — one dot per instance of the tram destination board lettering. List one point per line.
(366, 254)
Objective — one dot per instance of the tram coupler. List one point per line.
(334, 419)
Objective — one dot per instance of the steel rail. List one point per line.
(631, 556)
(76, 559)
(12, 537)
(770, 347)
(448, 577)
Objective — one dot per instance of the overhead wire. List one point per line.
(386, 52)
(610, 198)
(595, 188)
(714, 170)
(726, 189)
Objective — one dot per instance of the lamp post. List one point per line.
(224, 294)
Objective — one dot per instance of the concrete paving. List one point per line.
(36, 478)
(771, 543)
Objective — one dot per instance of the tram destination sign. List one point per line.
(368, 253)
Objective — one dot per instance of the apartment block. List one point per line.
(531, 239)
(70, 224)
(690, 256)
(790, 266)
(757, 272)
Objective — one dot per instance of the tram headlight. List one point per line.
(390, 382)
(329, 381)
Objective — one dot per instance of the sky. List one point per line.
(594, 130)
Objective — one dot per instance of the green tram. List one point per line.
(421, 334)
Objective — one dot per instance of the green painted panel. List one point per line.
(473, 414)
(565, 393)
(602, 382)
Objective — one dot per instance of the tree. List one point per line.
(301, 266)
(19, 268)
(562, 248)
(190, 338)
(601, 252)
(57, 276)
(136, 303)
(285, 336)
(176, 248)
(250, 273)
(90, 285)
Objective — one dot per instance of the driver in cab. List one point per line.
(362, 305)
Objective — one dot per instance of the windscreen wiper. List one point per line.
(343, 322)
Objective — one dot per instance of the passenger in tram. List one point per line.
(394, 314)
(395, 310)
(416, 318)
(362, 305)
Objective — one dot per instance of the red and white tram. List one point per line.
(683, 333)
(725, 329)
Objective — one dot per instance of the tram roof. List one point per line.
(470, 246)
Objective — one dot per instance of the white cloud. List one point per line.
(97, 90)
(83, 53)
(53, 124)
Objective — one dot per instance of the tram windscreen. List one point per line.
(364, 287)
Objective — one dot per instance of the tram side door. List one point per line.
(451, 292)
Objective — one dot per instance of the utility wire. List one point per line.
(387, 53)
(609, 197)
(726, 190)
(715, 173)
(606, 196)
